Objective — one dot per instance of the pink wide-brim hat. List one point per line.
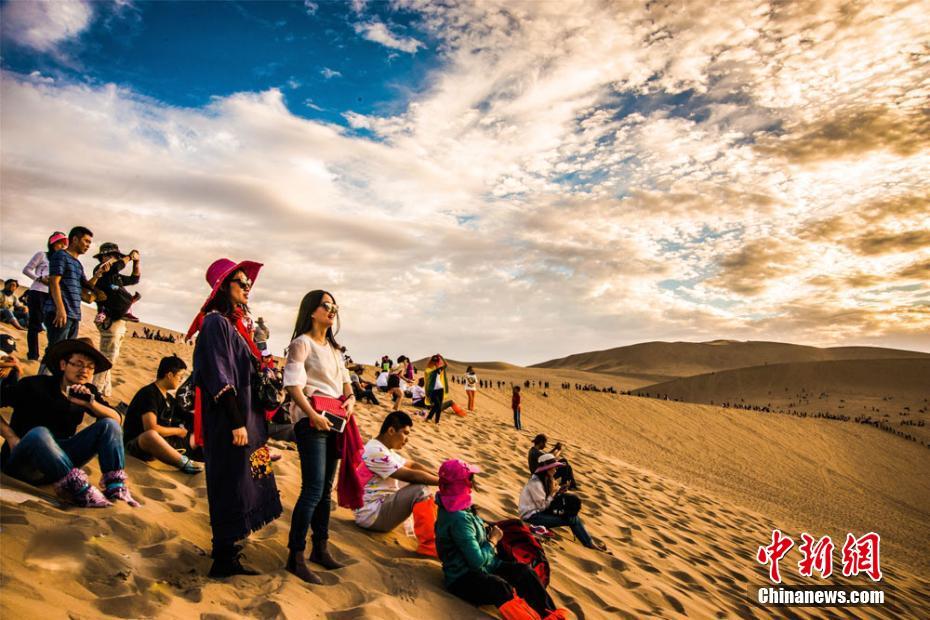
(222, 269)
(546, 462)
(454, 484)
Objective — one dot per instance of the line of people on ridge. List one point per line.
(43, 445)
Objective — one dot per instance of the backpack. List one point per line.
(182, 409)
(565, 505)
(519, 545)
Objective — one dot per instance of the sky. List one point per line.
(494, 180)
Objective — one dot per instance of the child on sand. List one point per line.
(150, 430)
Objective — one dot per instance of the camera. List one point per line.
(85, 396)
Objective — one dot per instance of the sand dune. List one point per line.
(667, 360)
(893, 391)
(683, 494)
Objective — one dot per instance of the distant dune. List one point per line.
(669, 360)
(896, 391)
(458, 367)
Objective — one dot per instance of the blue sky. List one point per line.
(187, 53)
(493, 180)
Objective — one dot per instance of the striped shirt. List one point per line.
(72, 274)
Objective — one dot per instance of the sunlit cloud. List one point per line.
(570, 176)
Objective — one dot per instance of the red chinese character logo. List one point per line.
(816, 556)
(861, 555)
(774, 552)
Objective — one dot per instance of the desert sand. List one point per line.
(683, 494)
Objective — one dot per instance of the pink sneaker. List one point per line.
(114, 483)
(75, 488)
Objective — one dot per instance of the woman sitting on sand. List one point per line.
(241, 489)
(314, 367)
(470, 565)
(539, 505)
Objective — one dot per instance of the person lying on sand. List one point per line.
(42, 444)
(543, 503)
(151, 430)
(396, 487)
(471, 567)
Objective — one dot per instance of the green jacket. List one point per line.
(462, 544)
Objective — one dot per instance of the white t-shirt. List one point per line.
(382, 379)
(378, 463)
(471, 382)
(316, 368)
(417, 393)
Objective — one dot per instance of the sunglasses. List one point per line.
(244, 283)
(330, 307)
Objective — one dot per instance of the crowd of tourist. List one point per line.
(219, 420)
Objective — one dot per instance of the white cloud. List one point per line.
(576, 219)
(328, 73)
(44, 26)
(376, 31)
(311, 7)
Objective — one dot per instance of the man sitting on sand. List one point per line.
(151, 431)
(12, 310)
(564, 474)
(42, 444)
(396, 487)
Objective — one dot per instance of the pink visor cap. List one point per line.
(455, 484)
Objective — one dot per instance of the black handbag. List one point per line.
(265, 393)
(565, 505)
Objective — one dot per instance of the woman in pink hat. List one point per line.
(543, 502)
(241, 486)
(466, 546)
(37, 270)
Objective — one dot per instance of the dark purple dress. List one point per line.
(242, 497)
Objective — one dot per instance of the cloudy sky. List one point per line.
(493, 180)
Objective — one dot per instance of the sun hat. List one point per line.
(455, 484)
(545, 463)
(84, 346)
(222, 268)
(108, 248)
(56, 237)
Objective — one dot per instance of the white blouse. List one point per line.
(315, 368)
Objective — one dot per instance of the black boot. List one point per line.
(227, 562)
(320, 555)
(298, 566)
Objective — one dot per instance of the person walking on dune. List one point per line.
(471, 387)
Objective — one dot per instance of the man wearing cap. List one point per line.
(114, 310)
(260, 334)
(43, 444)
(395, 487)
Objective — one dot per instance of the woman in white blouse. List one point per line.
(314, 367)
(37, 270)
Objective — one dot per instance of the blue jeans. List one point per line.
(516, 419)
(39, 458)
(549, 520)
(57, 334)
(318, 460)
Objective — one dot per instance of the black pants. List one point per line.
(436, 397)
(35, 300)
(497, 588)
(565, 474)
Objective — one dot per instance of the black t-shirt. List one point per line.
(534, 455)
(38, 401)
(147, 400)
(118, 298)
